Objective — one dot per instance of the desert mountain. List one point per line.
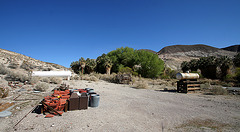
(174, 55)
(21, 63)
(233, 48)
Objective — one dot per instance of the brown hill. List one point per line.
(187, 48)
(21, 63)
(174, 55)
(233, 48)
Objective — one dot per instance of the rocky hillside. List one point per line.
(174, 55)
(21, 63)
(234, 48)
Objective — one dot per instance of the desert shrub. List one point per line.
(237, 75)
(41, 87)
(34, 80)
(169, 73)
(135, 74)
(85, 77)
(55, 80)
(141, 85)
(13, 65)
(93, 78)
(27, 66)
(205, 86)
(218, 90)
(3, 70)
(23, 78)
(45, 79)
(76, 77)
(13, 76)
(109, 78)
(97, 75)
(165, 77)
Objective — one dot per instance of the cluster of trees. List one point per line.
(139, 62)
(212, 67)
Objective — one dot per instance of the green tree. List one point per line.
(208, 66)
(82, 63)
(75, 66)
(104, 64)
(225, 63)
(151, 66)
(236, 60)
(185, 66)
(90, 65)
(193, 65)
(122, 56)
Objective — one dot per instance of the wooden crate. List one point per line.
(183, 86)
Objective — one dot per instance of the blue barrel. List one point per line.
(94, 100)
(89, 90)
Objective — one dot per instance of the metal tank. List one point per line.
(181, 76)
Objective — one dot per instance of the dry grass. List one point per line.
(141, 85)
(45, 79)
(3, 70)
(41, 87)
(201, 124)
(56, 80)
(16, 76)
(218, 90)
(34, 80)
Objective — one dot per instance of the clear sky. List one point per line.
(62, 31)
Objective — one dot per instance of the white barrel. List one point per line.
(181, 76)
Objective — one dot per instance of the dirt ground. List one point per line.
(123, 108)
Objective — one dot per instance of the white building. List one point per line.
(67, 74)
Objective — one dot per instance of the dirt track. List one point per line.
(123, 108)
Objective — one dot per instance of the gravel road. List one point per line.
(123, 108)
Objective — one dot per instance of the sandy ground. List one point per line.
(123, 108)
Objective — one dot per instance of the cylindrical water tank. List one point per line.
(181, 76)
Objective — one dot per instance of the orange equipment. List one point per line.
(57, 103)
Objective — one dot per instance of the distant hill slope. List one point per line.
(233, 48)
(24, 63)
(187, 48)
(174, 55)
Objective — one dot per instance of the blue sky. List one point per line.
(62, 31)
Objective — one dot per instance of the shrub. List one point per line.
(76, 77)
(13, 65)
(27, 66)
(218, 90)
(238, 74)
(23, 78)
(13, 76)
(55, 80)
(141, 85)
(110, 78)
(93, 78)
(45, 79)
(41, 87)
(34, 80)
(3, 70)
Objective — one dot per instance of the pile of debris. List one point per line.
(64, 99)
